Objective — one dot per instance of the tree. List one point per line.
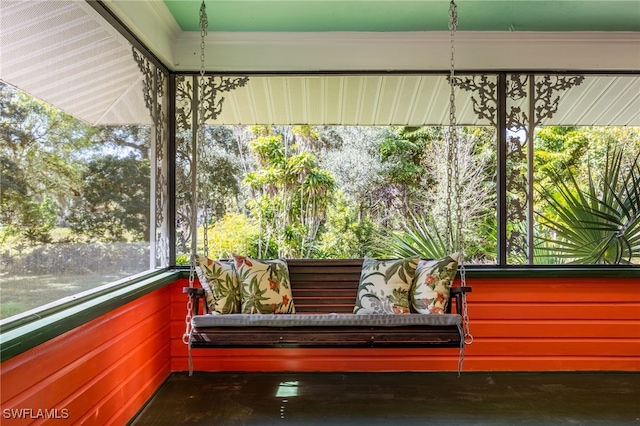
(46, 158)
(223, 159)
(41, 159)
(123, 140)
(405, 179)
(357, 168)
(345, 233)
(113, 202)
(290, 193)
(218, 173)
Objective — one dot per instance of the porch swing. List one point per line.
(324, 289)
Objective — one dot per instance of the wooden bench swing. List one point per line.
(324, 292)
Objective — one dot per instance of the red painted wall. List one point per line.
(559, 324)
(104, 371)
(100, 373)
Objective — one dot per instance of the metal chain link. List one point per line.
(205, 230)
(457, 190)
(468, 337)
(453, 170)
(204, 24)
(187, 321)
(451, 131)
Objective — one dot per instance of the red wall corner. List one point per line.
(99, 373)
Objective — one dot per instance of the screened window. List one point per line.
(378, 183)
(74, 205)
(78, 156)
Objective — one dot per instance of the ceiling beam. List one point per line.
(425, 51)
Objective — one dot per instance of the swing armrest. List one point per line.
(196, 294)
(458, 293)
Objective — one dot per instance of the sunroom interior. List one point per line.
(99, 355)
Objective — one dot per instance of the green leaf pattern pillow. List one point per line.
(431, 284)
(384, 286)
(265, 286)
(220, 284)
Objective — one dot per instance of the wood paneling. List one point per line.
(102, 372)
(523, 324)
(105, 370)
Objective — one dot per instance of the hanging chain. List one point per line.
(453, 170)
(453, 157)
(197, 145)
(204, 25)
(468, 337)
(205, 230)
(451, 132)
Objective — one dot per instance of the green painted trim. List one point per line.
(27, 333)
(552, 272)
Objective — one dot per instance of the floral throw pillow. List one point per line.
(384, 286)
(220, 284)
(431, 284)
(265, 286)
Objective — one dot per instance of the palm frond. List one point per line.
(419, 237)
(597, 224)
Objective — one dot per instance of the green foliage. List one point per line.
(345, 234)
(312, 191)
(558, 149)
(221, 160)
(355, 164)
(183, 260)
(418, 237)
(114, 200)
(403, 155)
(39, 162)
(290, 193)
(46, 160)
(219, 187)
(263, 247)
(64, 258)
(22, 214)
(126, 140)
(37, 220)
(405, 170)
(599, 223)
(233, 233)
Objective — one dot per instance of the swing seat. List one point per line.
(324, 291)
(326, 330)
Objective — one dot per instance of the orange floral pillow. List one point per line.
(431, 284)
(265, 286)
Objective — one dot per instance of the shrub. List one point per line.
(78, 259)
(234, 233)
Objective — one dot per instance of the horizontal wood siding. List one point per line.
(523, 324)
(555, 324)
(102, 372)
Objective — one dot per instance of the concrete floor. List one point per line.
(396, 399)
